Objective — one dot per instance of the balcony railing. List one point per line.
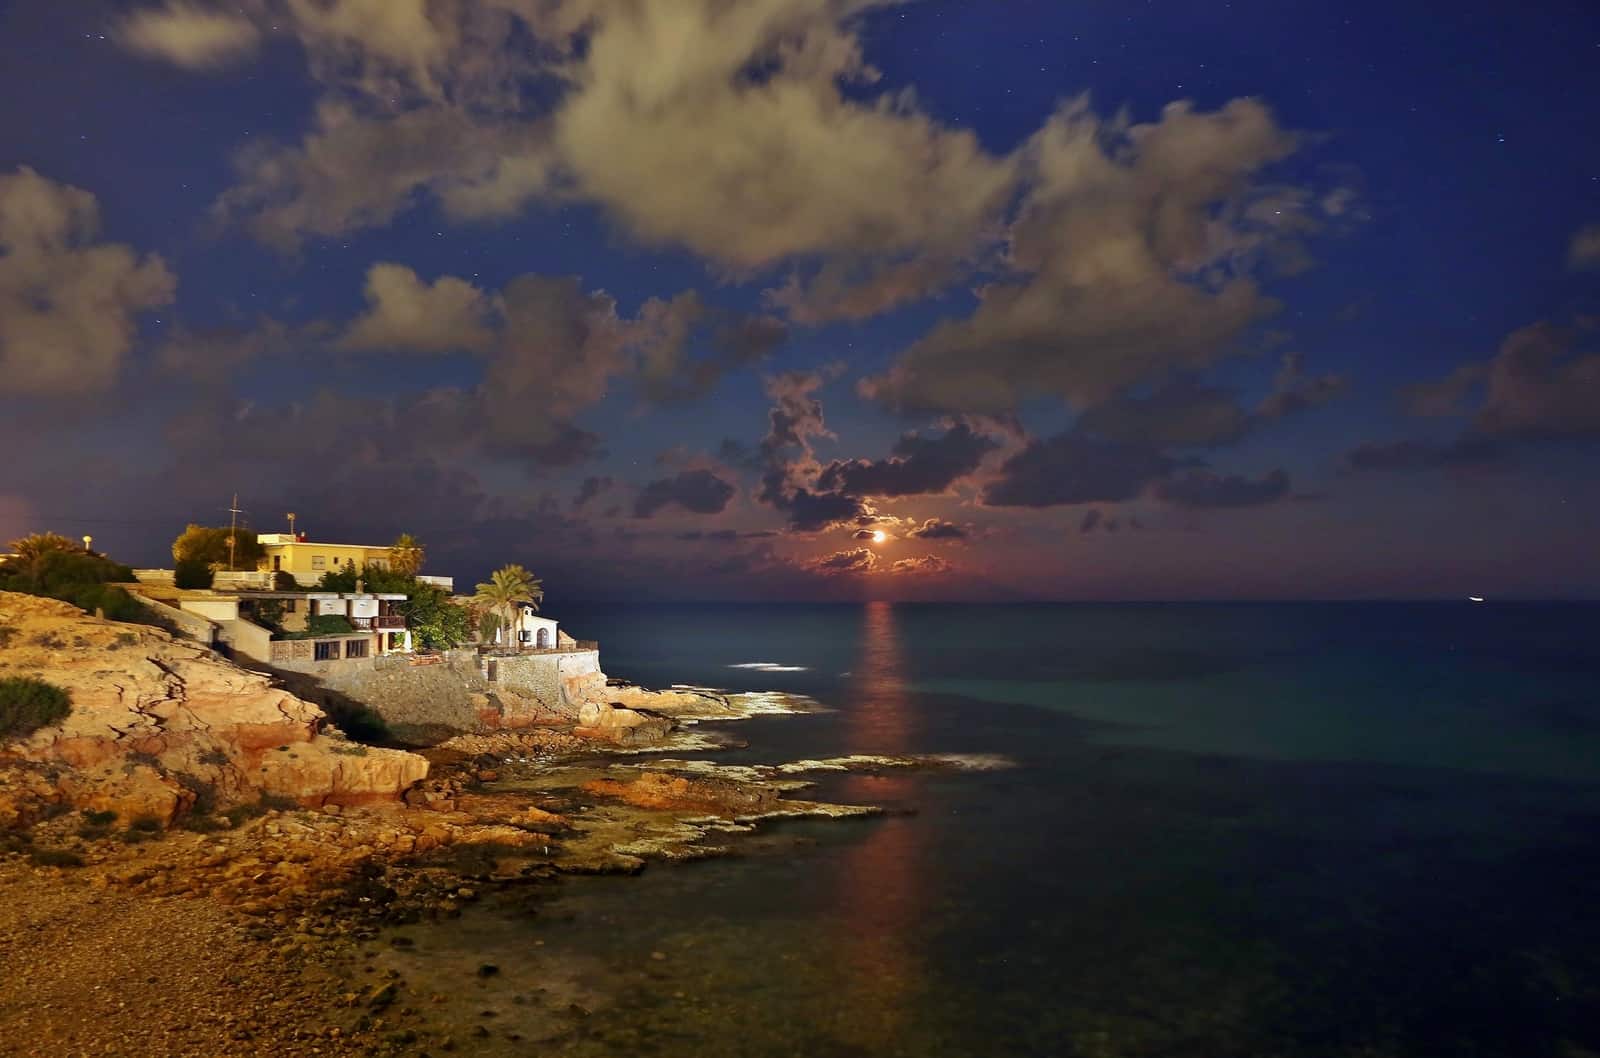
(381, 623)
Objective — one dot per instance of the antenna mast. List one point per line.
(233, 530)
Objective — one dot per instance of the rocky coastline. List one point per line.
(191, 820)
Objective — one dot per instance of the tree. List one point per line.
(199, 543)
(406, 555)
(508, 589)
(436, 621)
(85, 579)
(34, 546)
(192, 573)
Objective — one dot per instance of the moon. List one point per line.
(879, 536)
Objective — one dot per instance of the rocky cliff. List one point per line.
(160, 724)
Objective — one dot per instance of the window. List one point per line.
(319, 562)
(327, 650)
(355, 648)
(290, 604)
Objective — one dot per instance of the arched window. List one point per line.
(544, 639)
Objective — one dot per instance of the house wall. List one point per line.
(192, 625)
(217, 609)
(301, 559)
(248, 639)
(532, 623)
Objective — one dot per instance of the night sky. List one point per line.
(688, 299)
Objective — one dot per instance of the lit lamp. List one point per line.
(87, 540)
(291, 523)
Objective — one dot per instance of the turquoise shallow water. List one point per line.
(1232, 830)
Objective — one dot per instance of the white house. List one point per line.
(534, 631)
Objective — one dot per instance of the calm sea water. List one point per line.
(1356, 830)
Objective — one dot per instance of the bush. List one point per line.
(27, 704)
(328, 624)
(56, 858)
(191, 574)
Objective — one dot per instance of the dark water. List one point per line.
(1356, 830)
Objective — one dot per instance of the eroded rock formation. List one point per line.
(159, 723)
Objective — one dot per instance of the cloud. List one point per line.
(1070, 469)
(1538, 385)
(746, 133)
(190, 36)
(67, 303)
(726, 129)
(789, 464)
(696, 491)
(1181, 412)
(917, 466)
(669, 373)
(591, 487)
(1202, 488)
(213, 355)
(1423, 455)
(856, 560)
(1186, 413)
(406, 314)
(1445, 396)
(1134, 256)
(1292, 392)
(811, 512)
(924, 566)
(937, 529)
(357, 170)
(1584, 252)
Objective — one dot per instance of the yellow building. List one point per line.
(308, 560)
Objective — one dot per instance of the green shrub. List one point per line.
(329, 624)
(56, 858)
(191, 573)
(27, 704)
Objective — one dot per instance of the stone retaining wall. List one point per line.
(562, 681)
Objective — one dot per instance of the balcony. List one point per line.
(381, 623)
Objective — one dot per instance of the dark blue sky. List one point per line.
(1096, 300)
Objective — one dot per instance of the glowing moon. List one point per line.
(879, 536)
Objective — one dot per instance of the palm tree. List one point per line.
(510, 588)
(35, 545)
(32, 549)
(406, 555)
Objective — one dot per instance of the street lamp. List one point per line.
(291, 524)
(87, 540)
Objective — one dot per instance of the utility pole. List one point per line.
(233, 529)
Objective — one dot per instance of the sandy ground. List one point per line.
(89, 971)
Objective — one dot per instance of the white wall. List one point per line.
(218, 609)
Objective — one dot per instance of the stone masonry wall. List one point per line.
(561, 681)
(418, 703)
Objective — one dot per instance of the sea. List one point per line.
(1331, 829)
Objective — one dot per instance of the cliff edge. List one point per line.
(159, 725)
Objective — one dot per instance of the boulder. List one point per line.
(616, 723)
